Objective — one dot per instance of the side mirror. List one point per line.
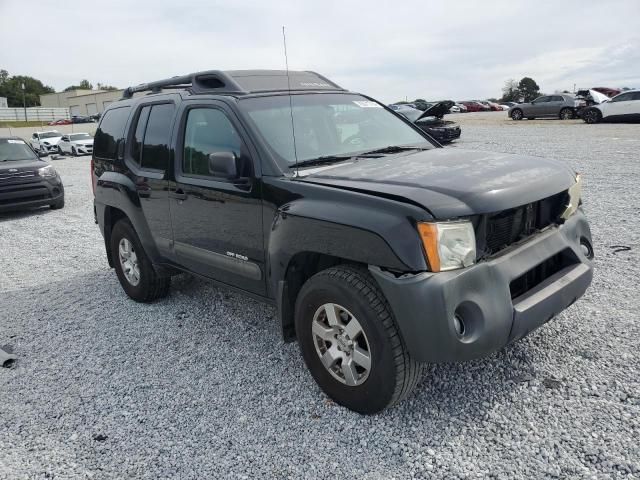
(223, 164)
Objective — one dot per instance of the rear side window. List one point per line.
(138, 137)
(110, 131)
(155, 146)
(557, 98)
(635, 96)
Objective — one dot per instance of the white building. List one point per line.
(81, 102)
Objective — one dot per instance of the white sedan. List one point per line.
(624, 107)
(76, 144)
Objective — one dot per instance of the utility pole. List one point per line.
(24, 102)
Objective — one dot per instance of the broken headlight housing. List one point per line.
(448, 245)
(575, 194)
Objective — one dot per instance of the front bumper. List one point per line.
(425, 305)
(84, 149)
(37, 193)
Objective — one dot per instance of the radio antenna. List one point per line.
(293, 128)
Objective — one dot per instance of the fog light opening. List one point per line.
(586, 248)
(458, 324)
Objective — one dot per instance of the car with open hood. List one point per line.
(380, 250)
(624, 107)
(431, 120)
(26, 180)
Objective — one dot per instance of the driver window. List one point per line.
(207, 130)
(622, 98)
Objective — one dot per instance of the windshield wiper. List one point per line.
(323, 160)
(390, 149)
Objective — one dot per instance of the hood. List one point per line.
(598, 97)
(21, 165)
(85, 141)
(451, 183)
(437, 110)
(51, 140)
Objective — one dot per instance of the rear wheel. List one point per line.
(516, 114)
(134, 269)
(350, 341)
(592, 115)
(566, 114)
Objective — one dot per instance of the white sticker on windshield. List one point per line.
(367, 104)
(10, 140)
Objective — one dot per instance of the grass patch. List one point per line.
(14, 124)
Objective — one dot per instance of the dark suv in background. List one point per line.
(380, 250)
(25, 179)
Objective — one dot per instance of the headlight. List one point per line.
(575, 192)
(448, 245)
(47, 171)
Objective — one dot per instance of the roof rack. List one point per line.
(199, 82)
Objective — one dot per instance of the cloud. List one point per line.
(432, 50)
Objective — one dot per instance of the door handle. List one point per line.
(178, 194)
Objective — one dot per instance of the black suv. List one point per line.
(25, 179)
(380, 250)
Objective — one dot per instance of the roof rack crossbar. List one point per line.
(199, 82)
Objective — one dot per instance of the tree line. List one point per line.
(11, 88)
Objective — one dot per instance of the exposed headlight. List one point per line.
(47, 171)
(448, 245)
(575, 193)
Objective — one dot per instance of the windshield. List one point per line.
(11, 149)
(326, 125)
(50, 134)
(80, 136)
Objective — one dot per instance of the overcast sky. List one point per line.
(390, 50)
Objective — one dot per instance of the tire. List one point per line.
(60, 152)
(352, 294)
(57, 205)
(566, 114)
(150, 286)
(516, 114)
(73, 151)
(592, 116)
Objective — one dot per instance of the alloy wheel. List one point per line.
(341, 344)
(129, 261)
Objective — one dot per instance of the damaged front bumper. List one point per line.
(472, 312)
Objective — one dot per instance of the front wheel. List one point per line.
(350, 341)
(592, 116)
(516, 114)
(74, 152)
(134, 269)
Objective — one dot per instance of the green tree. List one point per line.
(510, 91)
(83, 85)
(529, 89)
(11, 87)
(104, 86)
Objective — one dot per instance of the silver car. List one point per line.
(561, 106)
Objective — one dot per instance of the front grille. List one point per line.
(497, 231)
(17, 176)
(538, 274)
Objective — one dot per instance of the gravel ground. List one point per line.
(200, 385)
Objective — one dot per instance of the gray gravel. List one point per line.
(199, 385)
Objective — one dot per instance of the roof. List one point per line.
(240, 82)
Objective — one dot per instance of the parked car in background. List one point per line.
(95, 117)
(45, 142)
(454, 109)
(494, 107)
(463, 108)
(62, 121)
(25, 179)
(624, 107)
(76, 144)
(561, 105)
(507, 105)
(473, 106)
(81, 119)
(431, 121)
